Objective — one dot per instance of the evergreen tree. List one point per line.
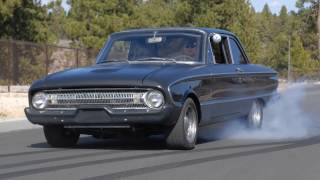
(311, 18)
(301, 61)
(264, 35)
(23, 20)
(56, 20)
(90, 22)
(153, 13)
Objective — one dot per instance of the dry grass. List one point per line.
(2, 115)
(12, 105)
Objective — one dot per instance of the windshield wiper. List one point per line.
(139, 60)
(155, 59)
(116, 60)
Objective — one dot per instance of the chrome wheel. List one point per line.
(256, 115)
(190, 124)
(183, 134)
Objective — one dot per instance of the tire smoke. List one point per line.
(284, 118)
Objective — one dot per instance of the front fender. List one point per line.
(180, 91)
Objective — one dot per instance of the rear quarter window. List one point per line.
(237, 54)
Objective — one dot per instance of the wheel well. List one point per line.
(262, 101)
(197, 103)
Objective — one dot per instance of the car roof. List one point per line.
(198, 29)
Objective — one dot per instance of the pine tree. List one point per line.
(312, 12)
(23, 20)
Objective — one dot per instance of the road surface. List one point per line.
(25, 155)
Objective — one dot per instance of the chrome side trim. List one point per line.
(222, 100)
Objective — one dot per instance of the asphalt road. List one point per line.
(25, 155)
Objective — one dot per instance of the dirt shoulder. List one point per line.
(12, 106)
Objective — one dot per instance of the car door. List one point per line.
(244, 77)
(224, 83)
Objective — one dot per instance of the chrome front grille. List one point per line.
(107, 98)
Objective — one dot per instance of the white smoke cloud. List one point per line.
(283, 119)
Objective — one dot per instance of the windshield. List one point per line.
(184, 47)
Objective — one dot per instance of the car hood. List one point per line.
(110, 74)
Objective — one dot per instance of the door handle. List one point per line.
(239, 70)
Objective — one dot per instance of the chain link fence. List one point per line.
(23, 62)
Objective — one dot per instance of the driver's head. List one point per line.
(190, 48)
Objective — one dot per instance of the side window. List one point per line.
(119, 50)
(220, 53)
(237, 55)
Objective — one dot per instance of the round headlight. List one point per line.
(39, 100)
(153, 99)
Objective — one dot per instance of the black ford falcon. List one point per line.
(168, 81)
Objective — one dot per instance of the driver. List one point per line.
(190, 49)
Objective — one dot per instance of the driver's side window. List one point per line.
(119, 50)
(220, 51)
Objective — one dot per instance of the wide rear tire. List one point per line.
(184, 134)
(58, 136)
(255, 116)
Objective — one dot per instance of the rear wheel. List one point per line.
(255, 117)
(58, 136)
(184, 134)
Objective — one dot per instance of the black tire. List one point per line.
(58, 136)
(255, 116)
(178, 136)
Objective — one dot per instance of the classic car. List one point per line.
(167, 81)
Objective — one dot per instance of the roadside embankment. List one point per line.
(12, 106)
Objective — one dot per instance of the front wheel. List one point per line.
(255, 116)
(58, 136)
(184, 134)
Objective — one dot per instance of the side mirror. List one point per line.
(216, 38)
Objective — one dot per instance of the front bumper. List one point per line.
(101, 117)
